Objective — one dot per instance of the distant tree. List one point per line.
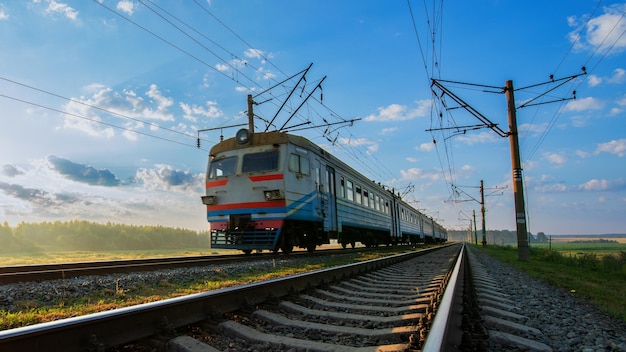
(541, 237)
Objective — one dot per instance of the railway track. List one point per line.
(417, 285)
(43, 272)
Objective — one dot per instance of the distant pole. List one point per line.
(482, 210)
(250, 114)
(475, 232)
(523, 250)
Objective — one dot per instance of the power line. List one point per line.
(94, 120)
(94, 107)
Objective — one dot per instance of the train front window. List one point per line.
(223, 167)
(257, 162)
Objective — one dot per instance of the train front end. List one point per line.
(245, 193)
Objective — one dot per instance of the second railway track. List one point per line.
(411, 290)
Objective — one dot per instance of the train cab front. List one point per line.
(245, 198)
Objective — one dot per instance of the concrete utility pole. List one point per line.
(475, 232)
(250, 114)
(518, 186)
(523, 251)
(482, 210)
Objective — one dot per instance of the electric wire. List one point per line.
(94, 120)
(95, 107)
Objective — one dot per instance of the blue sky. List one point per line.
(100, 103)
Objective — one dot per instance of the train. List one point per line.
(276, 191)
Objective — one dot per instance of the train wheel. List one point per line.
(287, 248)
(286, 243)
(247, 251)
(310, 247)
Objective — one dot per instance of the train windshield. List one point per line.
(223, 167)
(257, 162)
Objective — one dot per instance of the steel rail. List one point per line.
(43, 272)
(120, 326)
(438, 336)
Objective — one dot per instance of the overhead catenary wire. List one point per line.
(94, 120)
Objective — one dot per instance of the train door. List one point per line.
(330, 206)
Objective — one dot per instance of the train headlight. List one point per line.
(242, 136)
(209, 200)
(273, 195)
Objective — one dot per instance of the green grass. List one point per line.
(601, 278)
(88, 256)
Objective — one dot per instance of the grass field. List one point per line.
(84, 256)
(580, 246)
(595, 271)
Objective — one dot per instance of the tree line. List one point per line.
(499, 237)
(89, 236)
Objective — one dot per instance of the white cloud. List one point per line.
(415, 173)
(426, 147)
(126, 6)
(588, 103)
(603, 185)
(67, 11)
(617, 147)
(603, 32)
(473, 138)
(3, 15)
(594, 80)
(535, 129)
(556, 158)
(618, 77)
(253, 53)
(582, 154)
(397, 112)
(388, 131)
(191, 111)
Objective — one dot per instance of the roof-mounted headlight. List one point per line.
(242, 136)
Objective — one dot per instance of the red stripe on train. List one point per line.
(249, 205)
(266, 177)
(216, 183)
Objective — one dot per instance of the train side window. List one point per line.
(349, 190)
(377, 203)
(222, 167)
(359, 196)
(300, 164)
(372, 204)
(366, 198)
(257, 162)
(342, 188)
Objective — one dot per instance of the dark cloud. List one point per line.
(83, 173)
(166, 177)
(20, 192)
(46, 202)
(177, 177)
(11, 171)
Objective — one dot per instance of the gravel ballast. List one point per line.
(567, 322)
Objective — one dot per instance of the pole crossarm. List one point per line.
(552, 80)
(482, 118)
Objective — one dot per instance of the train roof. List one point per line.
(263, 138)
